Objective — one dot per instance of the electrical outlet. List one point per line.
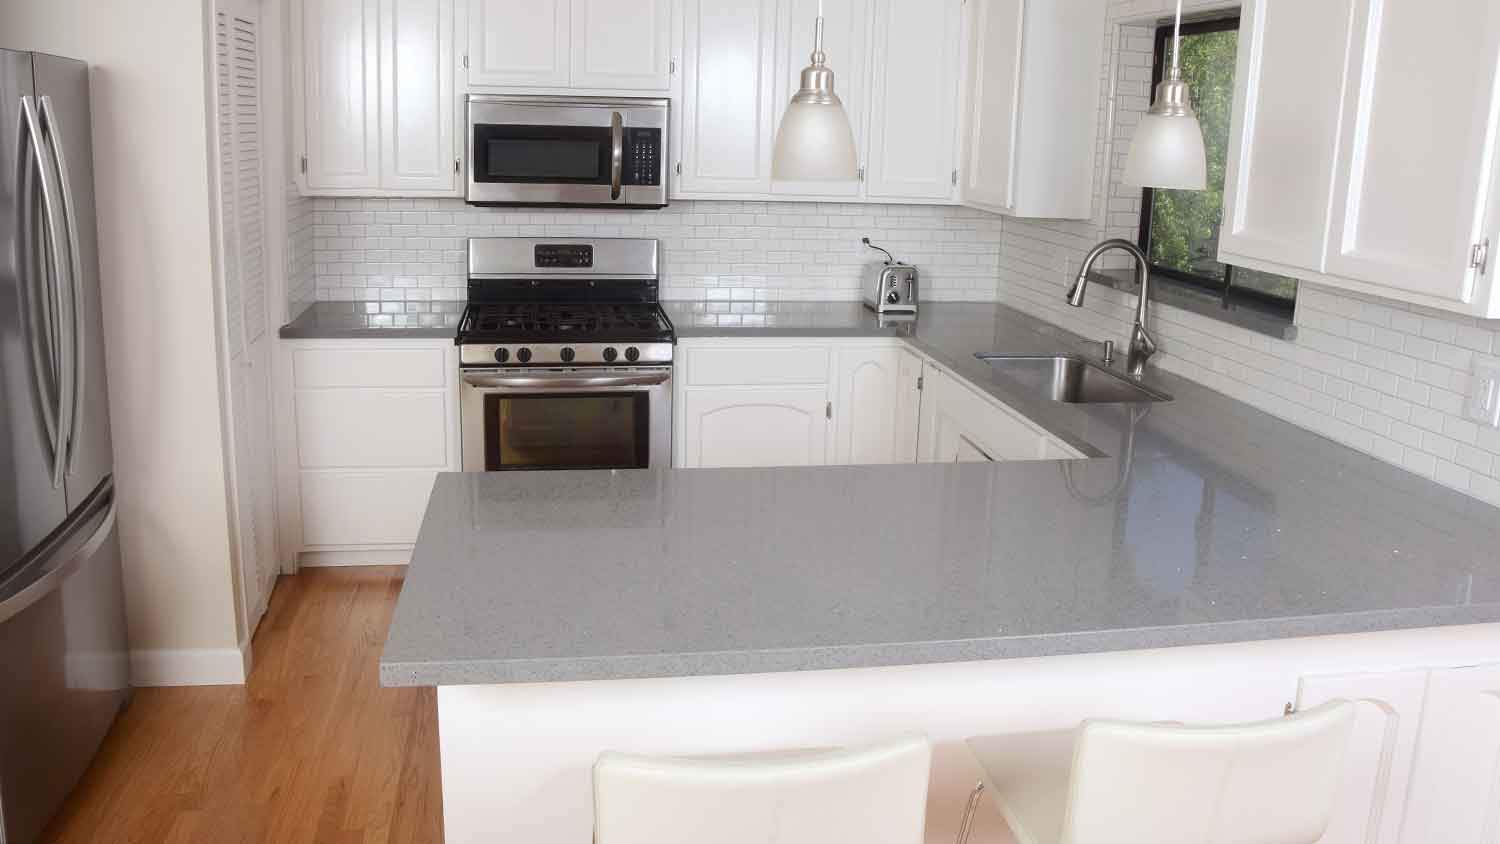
(1483, 403)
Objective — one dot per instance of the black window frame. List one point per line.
(1225, 289)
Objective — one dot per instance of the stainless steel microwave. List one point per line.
(572, 151)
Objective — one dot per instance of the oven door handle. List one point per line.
(525, 382)
(616, 154)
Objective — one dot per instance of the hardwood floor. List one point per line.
(311, 749)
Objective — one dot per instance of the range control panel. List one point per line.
(564, 255)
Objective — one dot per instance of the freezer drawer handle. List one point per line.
(53, 578)
(70, 216)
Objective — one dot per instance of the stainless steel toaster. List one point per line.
(891, 287)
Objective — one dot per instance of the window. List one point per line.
(1180, 229)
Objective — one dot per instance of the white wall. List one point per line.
(150, 123)
(1381, 377)
(412, 250)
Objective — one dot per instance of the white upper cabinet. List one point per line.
(374, 97)
(917, 47)
(339, 84)
(846, 41)
(622, 45)
(596, 45)
(1027, 154)
(1289, 92)
(417, 121)
(727, 111)
(519, 42)
(1418, 142)
(1363, 149)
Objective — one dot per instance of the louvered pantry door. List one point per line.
(245, 318)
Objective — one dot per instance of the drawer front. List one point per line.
(363, 508)
(746, 366)
(371, 429)
(412, 368)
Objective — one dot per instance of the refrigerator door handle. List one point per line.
(75, 413)
(100, 512)
(36, 320)
(62, 292)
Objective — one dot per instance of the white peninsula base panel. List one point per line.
(1424, 765)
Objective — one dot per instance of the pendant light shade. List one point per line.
(814, 142)
(1167, 151)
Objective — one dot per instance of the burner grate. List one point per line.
(522, 321)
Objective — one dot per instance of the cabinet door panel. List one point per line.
(1418, 136)
(914, 99)
(1378, 762)
(364, 429)
(908, 406)
(417, 92)
(340, 87)
(865, 413)
(519, 42)
(995, 95)
(846, 41)
(622, 45)
(1289, 94)
(782, 427)
(728, 96)
(364, 508)
(1455, 783)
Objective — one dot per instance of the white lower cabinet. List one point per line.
(960, 425)
(373, 423)
(1424, 761)
(814, 402)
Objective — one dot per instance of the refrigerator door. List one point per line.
(64, 660)
(31, 506)
(62, 93)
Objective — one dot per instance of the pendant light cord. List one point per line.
(1176, 38)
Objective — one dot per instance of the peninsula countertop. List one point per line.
(1203, 521)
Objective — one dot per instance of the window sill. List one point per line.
(1240, 311)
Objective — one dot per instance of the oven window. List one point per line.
(510, 154)
(561, 431)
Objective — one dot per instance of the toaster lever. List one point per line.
(889, 259)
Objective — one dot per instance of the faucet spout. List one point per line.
(1142, 346)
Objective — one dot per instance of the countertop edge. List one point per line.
(398, 673)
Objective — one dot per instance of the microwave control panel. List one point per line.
(643, 156)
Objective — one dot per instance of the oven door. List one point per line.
(539, 151)
(566, 419)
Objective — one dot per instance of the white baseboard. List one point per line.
(371, 557)
(190, 666)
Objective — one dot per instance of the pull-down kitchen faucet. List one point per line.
(1141, 344)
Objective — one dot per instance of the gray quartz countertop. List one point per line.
(375, 320)
(1202, 521)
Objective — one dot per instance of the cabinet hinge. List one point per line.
(678, 168)
(920, 382)
(466, 61)
(458, 165)
(828, 410)
(304, 165)
(861, 174)
(955, 177)
(672, 65)
(1479, 258)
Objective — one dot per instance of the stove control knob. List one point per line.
(632, 354)
(523, 355)
(610, 354)
(502, 355)
(567, 354)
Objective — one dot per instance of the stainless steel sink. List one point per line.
(1068, 378)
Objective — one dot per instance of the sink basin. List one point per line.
(1071, 379)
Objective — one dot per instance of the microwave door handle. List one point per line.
(616, 154)
(70, 217)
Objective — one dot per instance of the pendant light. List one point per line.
(1167, 151)
(815, 143)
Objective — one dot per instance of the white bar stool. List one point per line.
(1112, 782)
(873, 795)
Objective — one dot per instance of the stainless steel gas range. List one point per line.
(566, 356)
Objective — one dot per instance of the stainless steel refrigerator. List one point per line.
(64, 669)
